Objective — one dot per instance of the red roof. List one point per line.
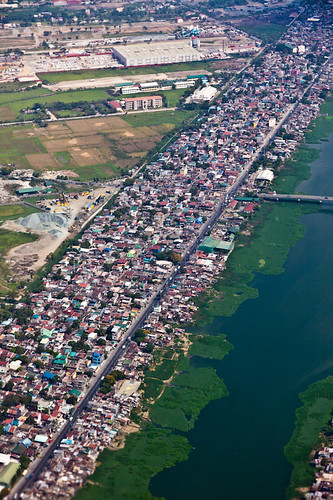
(249, 207)
(115, 104)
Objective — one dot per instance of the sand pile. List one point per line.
(54, 224)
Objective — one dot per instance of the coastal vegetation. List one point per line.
(191, 390)
(322, 126)
(158, 445)
(262, 249)
(129, 469)
(311, 418)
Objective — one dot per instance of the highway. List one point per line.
(36, 467)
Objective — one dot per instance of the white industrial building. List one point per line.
(133, 89)
(184, 84)
(147, 54)
(265, 176)
(204, 94)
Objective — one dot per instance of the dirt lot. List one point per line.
(29, 257)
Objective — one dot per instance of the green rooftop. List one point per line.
(31, 190)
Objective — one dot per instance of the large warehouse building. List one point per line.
(147, 54)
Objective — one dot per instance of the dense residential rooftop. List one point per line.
(56, 341)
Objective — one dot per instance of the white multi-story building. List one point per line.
(134, 103)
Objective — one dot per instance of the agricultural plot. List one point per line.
(99, 147)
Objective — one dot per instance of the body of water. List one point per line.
(283, 342)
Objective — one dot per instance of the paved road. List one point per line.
(70, 118)
(37, 466)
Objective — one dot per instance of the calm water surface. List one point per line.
(283, 342)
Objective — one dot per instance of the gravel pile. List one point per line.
(52, 223)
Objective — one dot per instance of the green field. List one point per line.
(173, 97)
(266, 32)
(11, 239)
(65, 76)
(8, 240)
(12, 103)
(11, 212)
(23, 95)
(102, 147)
(12, 86)
(311, 418)
(134, 33)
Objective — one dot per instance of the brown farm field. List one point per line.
(98, 147)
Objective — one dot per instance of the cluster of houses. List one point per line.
(322, 486)
(55, 342)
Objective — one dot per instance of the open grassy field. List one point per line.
(266, 32)
(98, 147)
(11, 103)
(66, 76)
(311, 418)
(23, 95)
(8, 240)
(11, 239)
(11, 212)
(12, 86)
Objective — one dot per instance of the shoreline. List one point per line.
(160, 445)
(301, 448)
(302, 169)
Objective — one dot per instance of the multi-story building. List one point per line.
(153, 101)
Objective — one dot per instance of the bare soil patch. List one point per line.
(85, 157)
(40, 161)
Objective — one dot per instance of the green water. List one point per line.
(283, 341)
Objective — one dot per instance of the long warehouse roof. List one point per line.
(146, 50)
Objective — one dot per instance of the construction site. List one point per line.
(55, 219)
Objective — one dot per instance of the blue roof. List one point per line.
(49, 375)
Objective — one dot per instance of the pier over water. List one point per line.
(298, 198)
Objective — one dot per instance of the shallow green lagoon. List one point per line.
(283, 341)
